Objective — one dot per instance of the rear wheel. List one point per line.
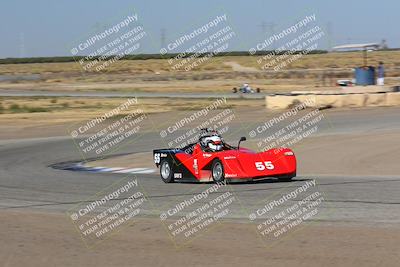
(217, 170)
(166, 172)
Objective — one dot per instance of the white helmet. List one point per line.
(213, 142)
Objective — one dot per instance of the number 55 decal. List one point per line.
(264, 165)
(157, 158)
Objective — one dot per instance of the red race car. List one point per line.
(211, 159)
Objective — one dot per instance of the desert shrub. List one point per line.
(14, 108)
(34, 109)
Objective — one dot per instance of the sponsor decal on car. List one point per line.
(195, 166)
(178, 175)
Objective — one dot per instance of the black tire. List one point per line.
(234, 90)
(217, 171)
(287, 178)
(166, 171)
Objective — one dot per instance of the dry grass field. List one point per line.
(314, 61)
(53, 110)
(217, 74)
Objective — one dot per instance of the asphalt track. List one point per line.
(28, 182)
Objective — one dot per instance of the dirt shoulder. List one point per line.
(40, 239)
(30, 117)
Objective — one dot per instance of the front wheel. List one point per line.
(166, 172)
(217, 170)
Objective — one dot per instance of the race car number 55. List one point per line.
(157, 158)
(264, 165)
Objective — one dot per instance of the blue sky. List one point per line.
(31, 28)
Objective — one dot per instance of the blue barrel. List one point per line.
(365, 75)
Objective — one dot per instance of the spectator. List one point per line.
(381, 74)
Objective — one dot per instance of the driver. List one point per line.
(245, 88)
(213, 143)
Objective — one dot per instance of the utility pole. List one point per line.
(163, 37)
(263, 26)
(329, 32)
(21, 45)
(271, 29)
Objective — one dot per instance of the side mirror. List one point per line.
(241, 140)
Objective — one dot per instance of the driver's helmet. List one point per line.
(212, 142)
